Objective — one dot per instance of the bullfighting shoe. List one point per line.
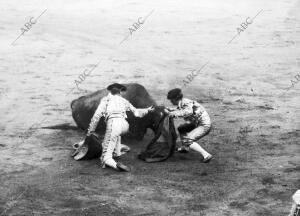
(207, 159)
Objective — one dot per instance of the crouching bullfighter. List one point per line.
(197, 123)
(113, 108)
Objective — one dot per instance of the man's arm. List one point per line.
(170, 109)
(138, 112)
(183, 112)
(97, 116)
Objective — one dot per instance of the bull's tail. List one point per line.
(65, 126)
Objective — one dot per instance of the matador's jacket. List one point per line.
(191, 111)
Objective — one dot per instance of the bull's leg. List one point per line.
(137, 128)
(141, 133)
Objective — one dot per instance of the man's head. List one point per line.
(175, 95)
(116, 88)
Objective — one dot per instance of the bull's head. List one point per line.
(155, 117)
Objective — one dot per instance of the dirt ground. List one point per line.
(246, 88)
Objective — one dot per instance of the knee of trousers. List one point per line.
(187, 141)
(125, 128)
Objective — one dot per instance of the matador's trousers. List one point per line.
(115, 127)
(190, 132)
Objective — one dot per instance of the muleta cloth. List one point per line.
(162, 146)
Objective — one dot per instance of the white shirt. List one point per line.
(114, 106)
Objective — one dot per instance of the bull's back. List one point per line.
(84, 107)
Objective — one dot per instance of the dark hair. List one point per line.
(175, 94)
(115, 91)
(116, 85)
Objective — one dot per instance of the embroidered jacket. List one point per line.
(191, 111)
(114, 106)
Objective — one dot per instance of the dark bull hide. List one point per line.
(84, 107)
(160, 147)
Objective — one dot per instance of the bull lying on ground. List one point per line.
(160, 148)
(84, 107)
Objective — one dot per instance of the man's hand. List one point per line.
(150, 109)
(170, 109)
(171, 114)
(88, 133)
(166, 110)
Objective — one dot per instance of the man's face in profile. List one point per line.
(174, 102)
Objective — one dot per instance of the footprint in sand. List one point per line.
(264, 107)
(47, 159)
